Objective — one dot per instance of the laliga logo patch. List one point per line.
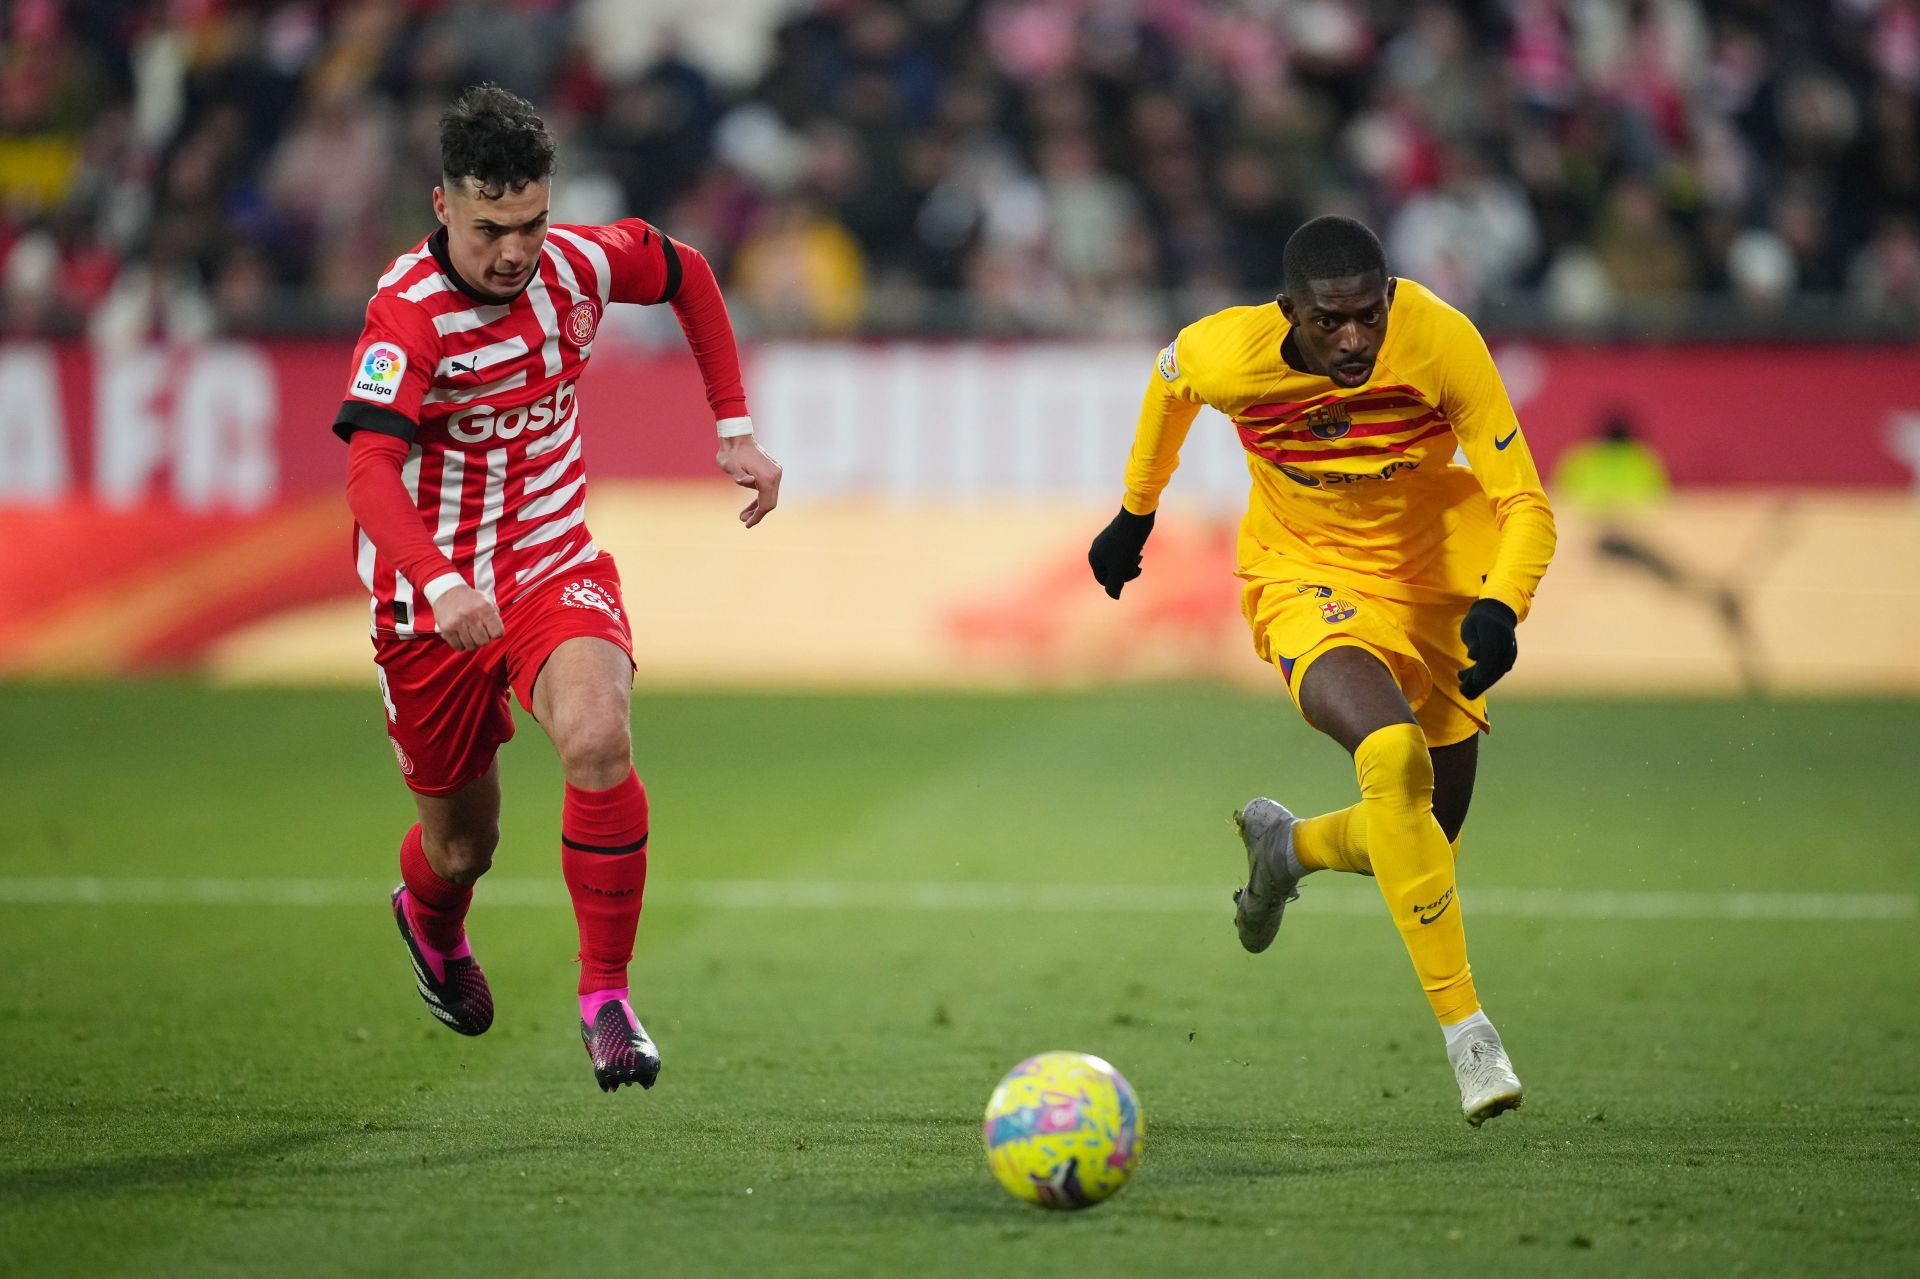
(378, 377)
(1338, 611)
(580, 323)
(1168, 364)
(587, 593)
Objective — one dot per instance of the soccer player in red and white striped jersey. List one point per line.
(467, 481)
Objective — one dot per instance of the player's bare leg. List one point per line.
(1351, 696)
(440, 860)
(583, 698)
(1454, 770)
(459, 832)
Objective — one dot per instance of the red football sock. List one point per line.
(438, 909)
(603, 852)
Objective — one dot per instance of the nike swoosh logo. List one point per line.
(1444, 908)
(1502, 444)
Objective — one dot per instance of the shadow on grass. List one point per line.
(162, 1171)
(293, 1154)
(1185, 1168)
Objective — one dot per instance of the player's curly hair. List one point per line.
(1329, 248)
(495, 138)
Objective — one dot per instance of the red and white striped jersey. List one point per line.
(485, 394)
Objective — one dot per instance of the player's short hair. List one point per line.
(1329, 248)
(497, 139)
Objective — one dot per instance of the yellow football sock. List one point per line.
(1338, 841)
(1413, 863)
(1334, 841)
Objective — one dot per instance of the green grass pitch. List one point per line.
(199, 1087)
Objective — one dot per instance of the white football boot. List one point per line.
(1488, 1085)
(1266, 829)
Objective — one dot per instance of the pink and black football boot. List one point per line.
(451, 983)
(621, 1050)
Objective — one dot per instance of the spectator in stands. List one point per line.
(801, 269)
(1640, 247)
(989, 162)
(1885, 277)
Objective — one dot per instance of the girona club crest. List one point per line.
(578, 328)
(587, 593)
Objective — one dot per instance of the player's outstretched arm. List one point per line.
(652, 268)
(749, 466)
(1166, 412)
(1490, 436)
(1483, 419)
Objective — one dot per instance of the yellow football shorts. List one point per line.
(1294, 622)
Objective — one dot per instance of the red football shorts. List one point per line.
(447, 711)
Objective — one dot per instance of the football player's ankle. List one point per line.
(1475, 1019)
(591, 1002)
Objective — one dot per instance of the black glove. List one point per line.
(1491, 646)
(1115, 555)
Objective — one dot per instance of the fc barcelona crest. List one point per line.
(1338, 610)
(1330, 421)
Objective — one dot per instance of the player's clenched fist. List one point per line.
(467, 618)
(1115, 554)
(1487, 630)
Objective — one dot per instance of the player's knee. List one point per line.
(1393, 762)
(597, 752)
(466, 855)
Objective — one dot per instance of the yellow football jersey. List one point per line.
(1358, 486)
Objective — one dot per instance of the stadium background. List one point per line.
(952, 235)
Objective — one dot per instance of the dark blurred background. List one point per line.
(1085, 167)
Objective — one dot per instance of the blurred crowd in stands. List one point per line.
(190, 167)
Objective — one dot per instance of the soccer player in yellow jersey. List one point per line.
(1382, 581)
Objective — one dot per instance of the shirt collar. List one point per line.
(437, 245)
